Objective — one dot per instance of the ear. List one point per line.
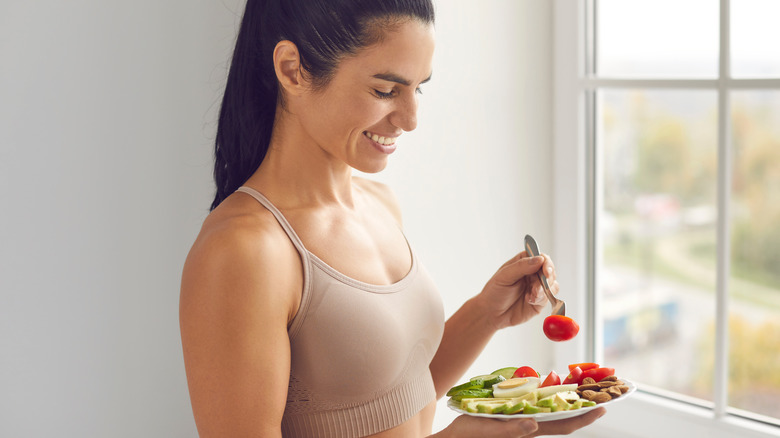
(287, 64)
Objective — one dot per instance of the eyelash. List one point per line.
(383, 95)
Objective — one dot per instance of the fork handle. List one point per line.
(546, 288)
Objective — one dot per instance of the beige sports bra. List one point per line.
(360, 352)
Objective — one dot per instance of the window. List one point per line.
(671, 110)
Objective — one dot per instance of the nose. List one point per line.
(405, 114)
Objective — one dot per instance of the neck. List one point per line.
(297, 172)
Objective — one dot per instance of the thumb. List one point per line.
(512, 272)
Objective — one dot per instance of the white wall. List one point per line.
(107, 114)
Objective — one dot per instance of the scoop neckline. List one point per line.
(369, 287)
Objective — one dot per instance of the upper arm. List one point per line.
(237, 295)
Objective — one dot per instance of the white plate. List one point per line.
(545, 416)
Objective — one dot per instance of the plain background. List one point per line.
(107, 118)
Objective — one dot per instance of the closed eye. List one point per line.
(383, 95)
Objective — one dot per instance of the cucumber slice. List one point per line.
(489, 379)
(506, 372)
(472, 393)
(472, 384)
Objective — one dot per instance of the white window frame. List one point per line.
(646, 414)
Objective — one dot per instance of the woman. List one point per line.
(304, 311)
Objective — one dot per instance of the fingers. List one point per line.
(537, 297)
(518, 267)
(517, 257)
(466, 425)
(549, 268)
(569, 425)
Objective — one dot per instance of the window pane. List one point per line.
(754, 285)
(660, 38)
(656, 227)
(754, 38)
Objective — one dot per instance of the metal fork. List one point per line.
(558, 306)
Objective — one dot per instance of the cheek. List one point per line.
(342, 114)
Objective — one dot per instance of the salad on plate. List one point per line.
(521, 391)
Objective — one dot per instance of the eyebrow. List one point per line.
(392, 77)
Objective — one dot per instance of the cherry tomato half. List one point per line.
(583, 366)
(598, 373)
(575, 376)
(560, 328)
(525, 372)
(552, 379)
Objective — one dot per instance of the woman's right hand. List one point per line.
(469, 426)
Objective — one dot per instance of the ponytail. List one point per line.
(246, 116)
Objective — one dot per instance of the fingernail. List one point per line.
(535, 260)
(549, 270)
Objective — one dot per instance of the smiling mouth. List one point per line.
(386, 141)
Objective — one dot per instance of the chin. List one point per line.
(374, 167)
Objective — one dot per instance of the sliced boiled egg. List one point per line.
(515, 387)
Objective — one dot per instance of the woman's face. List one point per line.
(371, 99)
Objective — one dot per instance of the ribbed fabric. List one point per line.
(360, 353)
(382, 413)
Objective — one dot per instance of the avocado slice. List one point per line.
(561, 402)
(547, 402)
(530, 409)
(491, 407)
(531, 398)
(470, 406)
(515, 407)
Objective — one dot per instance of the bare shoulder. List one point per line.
(383, 194)
(242, 253)
(242, 256)
(241, 286)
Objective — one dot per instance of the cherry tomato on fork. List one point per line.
(560, 328)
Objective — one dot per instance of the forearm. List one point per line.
(466, 334)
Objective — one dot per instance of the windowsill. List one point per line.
(649, 415)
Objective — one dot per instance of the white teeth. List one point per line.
(381, 140)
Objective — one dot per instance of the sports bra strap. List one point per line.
(306, 261)
(278, 215)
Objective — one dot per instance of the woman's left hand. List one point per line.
(514, 294)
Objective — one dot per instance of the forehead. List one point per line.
(404, 50)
